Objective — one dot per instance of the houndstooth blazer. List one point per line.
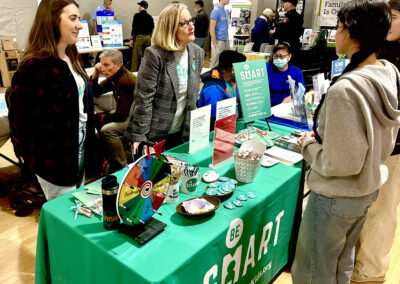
(157, 87)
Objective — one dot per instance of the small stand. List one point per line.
(143, 233)
(266, 120)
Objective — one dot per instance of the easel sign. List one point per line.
(199, 137)
(83, 41)
(224, 140)
(252, 82)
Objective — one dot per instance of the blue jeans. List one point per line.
(200, 41)
(328, 233)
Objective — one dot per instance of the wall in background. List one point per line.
(17, 15)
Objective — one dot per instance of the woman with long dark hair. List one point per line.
(372, 256)
(51, 105)
(354, 132)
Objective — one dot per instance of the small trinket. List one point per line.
(241, 197)
(238, 203)
(229, 205)
(250, 195)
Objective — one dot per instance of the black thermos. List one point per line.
(109, 186)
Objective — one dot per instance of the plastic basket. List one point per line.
(246, 170)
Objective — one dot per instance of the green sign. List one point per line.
(252, 81)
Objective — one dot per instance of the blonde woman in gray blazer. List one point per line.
(168, 81)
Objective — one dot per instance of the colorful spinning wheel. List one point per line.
(143, 189)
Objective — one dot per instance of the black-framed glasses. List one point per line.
(282, 56)
(186, 23)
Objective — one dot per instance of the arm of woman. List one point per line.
(345, 144)
(141, 112)
(24, 107)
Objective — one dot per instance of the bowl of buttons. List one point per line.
(221, 189)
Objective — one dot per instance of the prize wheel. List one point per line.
(143, 189)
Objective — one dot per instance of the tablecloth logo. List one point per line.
(217, 274)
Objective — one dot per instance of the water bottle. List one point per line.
(109, 186)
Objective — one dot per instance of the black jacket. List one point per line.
(201, 25)
(290, 29)
(142, 24)
(44, 119)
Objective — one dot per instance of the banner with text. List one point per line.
(253, 86)
(328, 12)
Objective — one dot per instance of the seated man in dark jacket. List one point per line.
(111, 126)
(220, 83)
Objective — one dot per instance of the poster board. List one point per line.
(253, 86)
(112, 33)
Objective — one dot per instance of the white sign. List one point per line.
(226, 108)
(328, 12)
(199, 128)
(96, 41)
(83, 41)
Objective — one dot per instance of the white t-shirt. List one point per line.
(80, 83)
(182, 65)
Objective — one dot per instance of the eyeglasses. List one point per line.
(186, 23)
(280, 56)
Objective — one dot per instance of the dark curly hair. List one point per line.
(368, 22)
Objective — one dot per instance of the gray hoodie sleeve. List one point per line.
(345, 142)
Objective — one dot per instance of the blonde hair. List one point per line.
(164, 34)
(268, 12)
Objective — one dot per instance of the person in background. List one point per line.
(111, 126)
(142, 28)
(219, 25)
(105, 7)
(278, 73)
(220, 83)
(262, 26)
(372, 256)
(201, 24)
(354, 132)
(51, 104)
(291, 28)
(167, 84)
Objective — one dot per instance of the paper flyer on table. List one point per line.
(96, 41)
(224, 140)
(226, 108)
(199, 129)
(83, 41)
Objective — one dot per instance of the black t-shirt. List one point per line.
(142, 24)
(290, 29)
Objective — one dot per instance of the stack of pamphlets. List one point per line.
(288, 142)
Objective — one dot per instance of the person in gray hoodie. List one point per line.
(355, 128)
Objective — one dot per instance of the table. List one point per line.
(95, 50)
(246, 245)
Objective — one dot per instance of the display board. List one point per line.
(112, 34)
(253, 86)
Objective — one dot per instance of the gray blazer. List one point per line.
(156, 91)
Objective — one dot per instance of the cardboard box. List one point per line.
(8, 66)
(9, 43)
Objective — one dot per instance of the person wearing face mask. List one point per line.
(262, 26)
(278, 72)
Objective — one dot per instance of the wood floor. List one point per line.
(18, 241)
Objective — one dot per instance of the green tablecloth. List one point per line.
(245, 245)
